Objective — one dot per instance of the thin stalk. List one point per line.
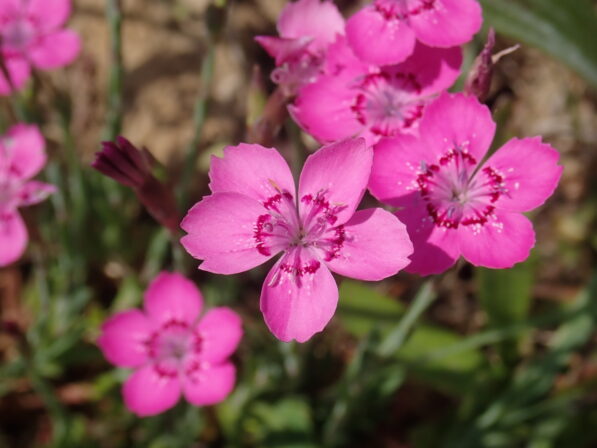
(114, 117)
(192, 150)
(398, 335)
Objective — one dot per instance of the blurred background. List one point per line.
(497, 359)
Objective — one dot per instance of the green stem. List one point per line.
(192, 151)
(398, 335)
(114, 118)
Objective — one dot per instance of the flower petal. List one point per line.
(222, 231)
(299, 296)
(25, 147)
(252, 170)
(368, 253)
(220, 331)
(19, 71)
(9, 9)
(396, 163)
(340, 171)
(209, 385)
(56, 50)
(172, 296)
(323, 108)
(379, 40)
(529, 171)
(457, 120)
(34, 192)
(146, 392)
(50, 14)
(311, 18)
(123, 338)
(505, 240)
(431, 69)
(13, 237)
(449, 23)
(435, 248)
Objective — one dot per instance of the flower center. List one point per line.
(17, 35)
(170, 345)
(388, 102)
(454, 194)
(284, 228)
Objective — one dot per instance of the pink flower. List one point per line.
(22, 156)
(451, 202)
(386, 31)
(306, 28)
(172, 351)
(31, 35)
(356, 98)
(255, 213)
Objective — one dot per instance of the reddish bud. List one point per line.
(478, 81)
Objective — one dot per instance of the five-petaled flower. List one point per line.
(386, 31)
(31, 35)
(255, 212)
(306, 28)
(453, 203)
(22, 156)
(173, 351)
(356, 98)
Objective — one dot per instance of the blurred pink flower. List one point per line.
(31, 34)
(354, 98)
(306, 28)
(22, 156)
(451, 202)
(173, 352)
(255, 213)
(386, 31)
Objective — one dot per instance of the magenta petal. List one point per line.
(340, 171)
(449, 23)
(530, 173)
(19, 71)
(26, 148)
(457, 120)
(170, 296)
(323, 109)
(8, 9)
(123, 338)
(34, 192)
(396, 163)
(433, 69)
(319, 20)
(376, 245)
(379, 40)
(210, 384)
(56, 50)
(220, 331)
(435, 248)
(146, 392)
(299, 296)
(506, 239)
(50, 14)
(222, 232)
(13, 238)
(251, 170)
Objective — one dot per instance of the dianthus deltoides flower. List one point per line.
(173, 351)
(386, 31)
(452, 202)
(306, 28)
(31, 35)
(354, 98)
(22, 156)
(255, 212)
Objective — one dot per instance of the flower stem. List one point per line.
(114, 117)
(192, 151)
(392, 343)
